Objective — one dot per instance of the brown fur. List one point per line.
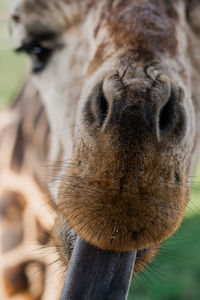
(11, 212)
(24, 227)
(126, 196)
(144, 28)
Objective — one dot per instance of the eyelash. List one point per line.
(39, 54)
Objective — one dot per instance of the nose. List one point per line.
(144, 111)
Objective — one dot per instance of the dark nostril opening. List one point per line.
(101, 107)
(167, 115)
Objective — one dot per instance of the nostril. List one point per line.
(172, 120)
(167, 115)
(101, 106)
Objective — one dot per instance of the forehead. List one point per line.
(145, 26)
(57, 14)
(66, 9)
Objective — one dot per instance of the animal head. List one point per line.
(130, 71)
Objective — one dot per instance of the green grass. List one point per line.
(5, 5)
(13, 67)
(175, 272)
(11, 76)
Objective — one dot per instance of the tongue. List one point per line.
(95, 274)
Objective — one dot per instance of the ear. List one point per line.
(193, 14)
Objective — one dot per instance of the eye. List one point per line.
(39, 54)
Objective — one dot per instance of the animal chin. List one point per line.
(65, 239)
(118, 208)
(112, 230)
(123, 222)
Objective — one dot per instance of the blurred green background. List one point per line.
(13, 67)
(175, 273)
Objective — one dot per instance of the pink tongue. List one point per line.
(95, 274)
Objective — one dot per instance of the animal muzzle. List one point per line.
(97, 274)
(125, 188)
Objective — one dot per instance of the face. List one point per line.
(130, 72)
